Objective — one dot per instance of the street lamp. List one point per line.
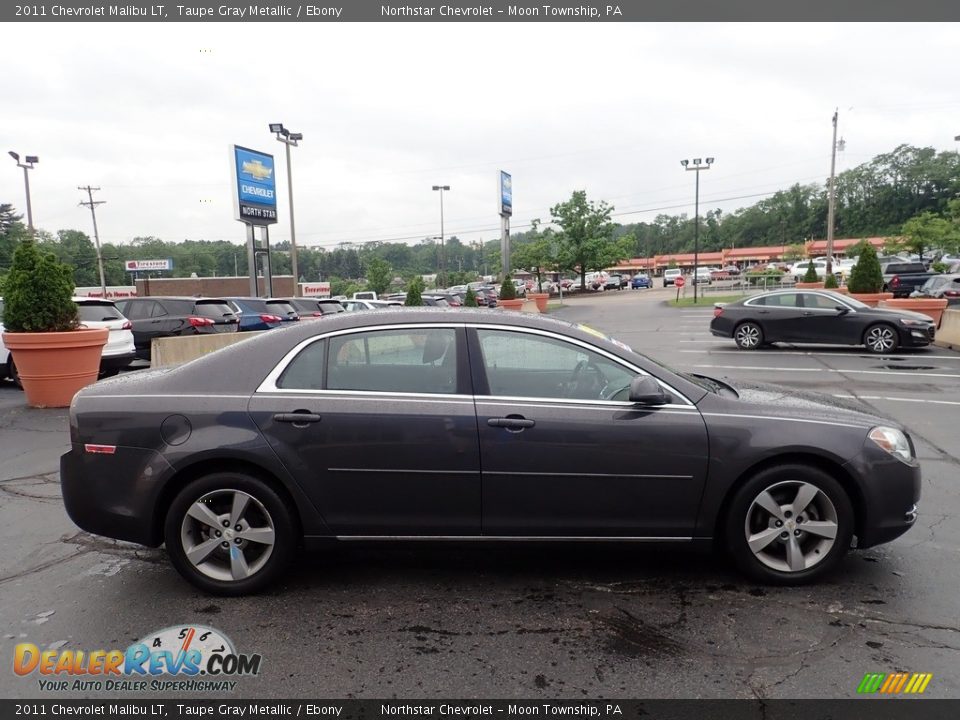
(697, 166)
(831, 198)
(441, 188)
(290, 138)
(27, 164)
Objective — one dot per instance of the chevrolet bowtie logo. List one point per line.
(257, 169)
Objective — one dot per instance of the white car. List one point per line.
(117, 354)
(799, 270)
(670, 275)
(355, 305)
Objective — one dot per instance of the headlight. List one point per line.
(910, 322)
(893, 441)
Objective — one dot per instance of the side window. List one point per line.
(137, 310)
(786, 300)
(819, 302)
(757, 301)
(525, 365)
(157, 310)
(305, 371)
(420, 360)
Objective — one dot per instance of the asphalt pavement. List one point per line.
(528, 621)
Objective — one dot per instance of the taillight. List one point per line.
(951, 293)
(127, 326)
(717, 311)
(199, 321)
(271, 318)
(100, 449)
(318, 314)
(895, 281)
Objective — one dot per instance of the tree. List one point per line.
(379, 275)
(830, 282)
(414, 292)
(925, 231)
(810, 276)
(866, 276)
(508, 291)
(585, 237)
(540, 251)
(39, 292)
(470, 300)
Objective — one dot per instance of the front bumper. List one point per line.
(916, 336)
(890, 491)
(116, 362)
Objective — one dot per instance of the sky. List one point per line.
(147, 112)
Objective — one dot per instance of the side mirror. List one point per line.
(647, 391)
(841, 309)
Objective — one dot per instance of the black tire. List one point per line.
(14, 374)
(266, 508)
(881, 339)
(830, 504)
(112, 372)
(748, 336)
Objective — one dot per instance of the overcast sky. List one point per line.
(148, 111)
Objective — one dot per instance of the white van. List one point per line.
(365, 295)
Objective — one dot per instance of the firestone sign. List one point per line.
(141, 265)
(255, 191)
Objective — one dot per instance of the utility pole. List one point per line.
(831, 201)
(96, 235)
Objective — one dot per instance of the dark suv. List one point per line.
(175, 316)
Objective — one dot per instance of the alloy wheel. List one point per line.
(880, 339)
(748, 336)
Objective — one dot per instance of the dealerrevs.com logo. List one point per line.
(178, 658)
(894, 683)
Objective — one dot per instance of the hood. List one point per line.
(787, 402)
(893, 313)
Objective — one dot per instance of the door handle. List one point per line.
(511, 423)
(807, 312)
(763, 312)
(298, 418)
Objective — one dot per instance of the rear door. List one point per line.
(378, 426)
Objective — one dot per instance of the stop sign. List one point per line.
(679, 282)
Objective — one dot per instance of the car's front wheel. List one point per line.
(229, 533)
(789, 524)
(881, 339)
(748, 336)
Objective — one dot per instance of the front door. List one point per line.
(565, 455)
(379, 429)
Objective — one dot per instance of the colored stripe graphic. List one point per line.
(894, 683)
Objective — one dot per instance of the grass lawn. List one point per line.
(708, 301)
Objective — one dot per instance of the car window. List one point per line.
(820, 302)
(787, 300)
(305, 371)
(525, 365)
(421, 360)
(217, 309)
(98, 312)
(139, 309)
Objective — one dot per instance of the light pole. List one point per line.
(696, 167)
(441, 188)
(290, 138)
(831, 198)
(28, 162)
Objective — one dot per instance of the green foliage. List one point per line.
(470, 300)
(936, 267)
(925, 231)
(763, 277)
(796, 251)
(830, 282)
(540, 251)
(586, 235)
(507, 289)
(379, 275)
(414, 292)
(39, 293)
(866, 276)
(810, 276)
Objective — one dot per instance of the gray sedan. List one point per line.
(432, 424)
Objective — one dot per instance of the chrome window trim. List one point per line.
(546, 402)
(269, 384)
(786, 419)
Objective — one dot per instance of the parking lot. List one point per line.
(525, 620)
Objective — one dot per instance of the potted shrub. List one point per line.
(414, 296)
(508, 295)
(470, 299)
(55, 357)
(866, 278)
(810, 278)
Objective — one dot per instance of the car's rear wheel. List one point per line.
(229, 533)
(789, 524)
(748, 336)
(881, 339)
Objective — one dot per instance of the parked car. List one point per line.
(262, 313)
(613, 282)
(356, 305)
(117, 354)
(799, 270)
(453, 300)
(378, 426)
(670, 275)
(314, 307)
(818, 316)
(155, 317)
(482, 298)
(702, 275)
(641, 280)
(940, 286)
(520, 286)
(902, 278)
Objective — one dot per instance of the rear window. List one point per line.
(331, 308)
(281, 308)
(216, 309)
(98, 312)
(903, 268)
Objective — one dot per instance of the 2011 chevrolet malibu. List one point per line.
(414, 424)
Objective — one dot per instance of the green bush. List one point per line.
(470, 300)
(763, 277)
(830, 282)
(866, 276)
(414, 292)
(38, 293)
(810, 276)
(508, 290)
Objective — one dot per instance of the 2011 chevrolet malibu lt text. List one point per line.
(469, 425)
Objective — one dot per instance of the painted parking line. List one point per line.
(833, 354)
(896, 399)
(896, 373)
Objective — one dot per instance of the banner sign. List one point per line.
(139, 265)
(255, 186)
(317, 289)
(506, 194)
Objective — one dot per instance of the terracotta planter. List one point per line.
(540, 299)
(932, 307)
(54, 366)
(510, 304)
(871, 299)
(809, 286)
